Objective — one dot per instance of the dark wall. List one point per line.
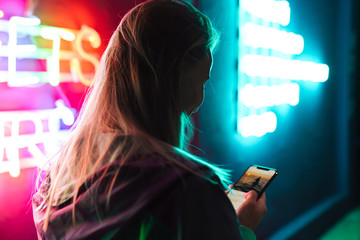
(310, 146)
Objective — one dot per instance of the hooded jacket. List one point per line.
(150, 199)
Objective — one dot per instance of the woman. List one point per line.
(125, 172)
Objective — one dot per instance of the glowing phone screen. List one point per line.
(256, 178)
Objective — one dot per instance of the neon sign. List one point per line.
(26, 137)
(268, 75)
(49, 135)
(21, 27)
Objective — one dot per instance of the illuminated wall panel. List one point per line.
(268, 74)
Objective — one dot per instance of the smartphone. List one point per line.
(256, 178)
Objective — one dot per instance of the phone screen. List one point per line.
(255, 178)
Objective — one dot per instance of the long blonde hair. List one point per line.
(133, 105)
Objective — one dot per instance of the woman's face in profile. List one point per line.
(192, 84)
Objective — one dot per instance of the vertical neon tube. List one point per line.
(1, 16)
(53, 64)
(12, 152)
(2, 141)
(13, 48)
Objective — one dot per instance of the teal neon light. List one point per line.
(257, 124)
(275, 67)
(268, 76)
(268, 10)
(258, 36)
(268, 96)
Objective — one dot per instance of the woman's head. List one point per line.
(153, 45)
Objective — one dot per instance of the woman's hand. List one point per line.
(252, 211)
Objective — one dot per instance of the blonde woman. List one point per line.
(125, 172)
